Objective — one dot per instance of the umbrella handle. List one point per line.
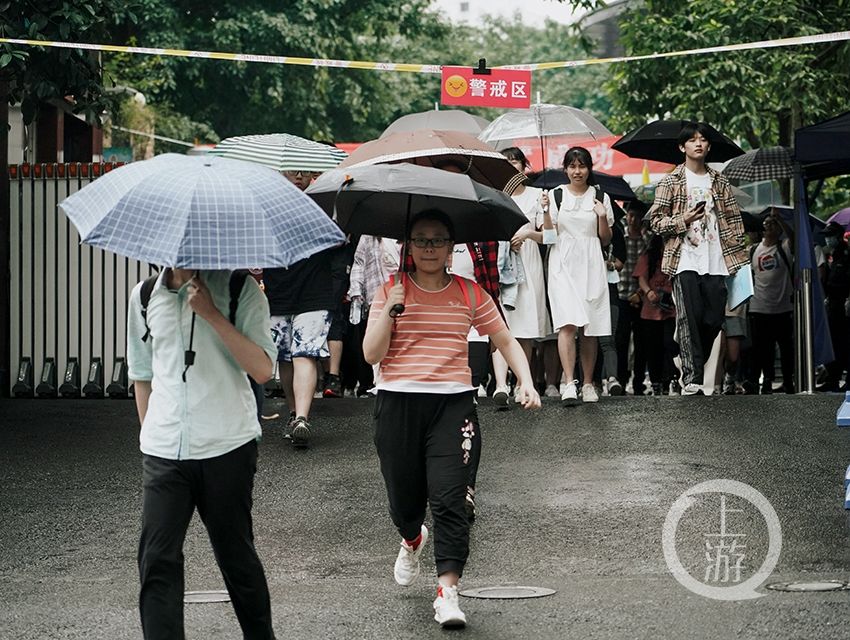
(397, 309)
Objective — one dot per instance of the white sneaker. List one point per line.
(692, 389)
(551, 392)
(569, 394)
(482, 391)
(614, 387)
(501, 398)
(588, 393)
(447, 608)
(407, 563)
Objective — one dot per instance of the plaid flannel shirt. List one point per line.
(368, 271)
(667, 217)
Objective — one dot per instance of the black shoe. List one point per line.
(787, 388)
(639, 389)
(501, 400)
(656, 388)
(748, 388)
(332, 387)
(767, 388)
(469, 504)
(300, 433)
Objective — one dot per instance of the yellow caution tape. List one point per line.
(426, 68)
(762, 44)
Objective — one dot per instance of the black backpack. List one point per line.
(237, 282)
(559, 195)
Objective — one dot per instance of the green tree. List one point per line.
(238, 98)
(32, 75)
(760, 96)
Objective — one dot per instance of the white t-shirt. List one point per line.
(701, 248)
(462, 265)
(772, 288)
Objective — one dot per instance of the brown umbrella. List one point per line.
(449, 150)
(445, 120)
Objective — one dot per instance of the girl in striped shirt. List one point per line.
(423, 431)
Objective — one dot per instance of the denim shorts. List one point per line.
(304, 335)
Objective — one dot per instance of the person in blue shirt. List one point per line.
(199, 433)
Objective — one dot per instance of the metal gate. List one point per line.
(68, 301)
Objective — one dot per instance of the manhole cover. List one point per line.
(507, 592)
(202, 597)
(802, 587)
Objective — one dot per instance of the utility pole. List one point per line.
(5, 239)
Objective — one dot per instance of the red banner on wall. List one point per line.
(505, 88)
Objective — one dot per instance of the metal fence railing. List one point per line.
(68, 301)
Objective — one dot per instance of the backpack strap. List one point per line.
(784, 257)
(145, 298)
(600, 194)
(470, 290)
(237, 283)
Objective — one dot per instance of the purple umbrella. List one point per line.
(842, 217)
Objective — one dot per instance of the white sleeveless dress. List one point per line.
(578, 284)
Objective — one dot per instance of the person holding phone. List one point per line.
(696, 214)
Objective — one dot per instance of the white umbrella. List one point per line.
(446, 120)
(542, 121)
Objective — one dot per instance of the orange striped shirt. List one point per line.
(428, 350)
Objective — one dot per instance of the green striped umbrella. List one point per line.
(281, 151)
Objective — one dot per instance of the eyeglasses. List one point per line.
(437, 243)
(299, 173)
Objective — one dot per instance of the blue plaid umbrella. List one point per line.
(200, 213)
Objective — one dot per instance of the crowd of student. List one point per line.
(622, 293)
(587, 280)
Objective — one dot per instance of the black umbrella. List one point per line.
(614, 186)
(659, 141)
(381, 199)
(751, 222)
(767, 163)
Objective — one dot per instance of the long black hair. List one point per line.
(583, 156)
(654, 251)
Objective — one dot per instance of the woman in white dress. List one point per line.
(529, 319)
(578, 285)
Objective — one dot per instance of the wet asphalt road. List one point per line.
(571, 499)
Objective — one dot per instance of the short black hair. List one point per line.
(690, 129)
(433, 215)
(515, 153)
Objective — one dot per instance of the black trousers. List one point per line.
(767, 331)
(660, 350)
(221, 490)
(700, 309)
(628, 328)
(424, 444)
(479, 364)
